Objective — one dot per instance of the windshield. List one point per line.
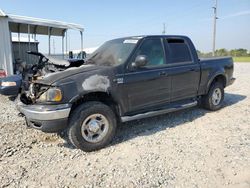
(114, 52)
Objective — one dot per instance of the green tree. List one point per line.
(221, 52)
(239, 52)
(224, 52)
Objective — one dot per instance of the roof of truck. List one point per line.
(138, 37)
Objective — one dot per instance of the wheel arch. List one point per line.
(98, 96)
(219, 77)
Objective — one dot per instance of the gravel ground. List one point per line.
(191, 148)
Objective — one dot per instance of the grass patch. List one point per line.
(241, 59)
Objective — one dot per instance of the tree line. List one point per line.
(224, 52)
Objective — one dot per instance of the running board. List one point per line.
(158, 112)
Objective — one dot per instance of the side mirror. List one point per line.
(140, 61)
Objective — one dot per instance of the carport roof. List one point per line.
(19, 24)
(2, 13)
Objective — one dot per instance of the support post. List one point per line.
(10, 69)
(81, 44)
(35, 31)
(29, 35)
(19, 44)
(66, 42)
(28, 59)
(49, 34)
(63, 46)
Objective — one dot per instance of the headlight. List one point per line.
(6, 84)
(51, 95)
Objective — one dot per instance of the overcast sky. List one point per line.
(105, 20)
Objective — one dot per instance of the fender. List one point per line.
(213, 76)
(85, 93)
(100, 96)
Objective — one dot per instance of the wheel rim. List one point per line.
(216, 97)
(94, 128)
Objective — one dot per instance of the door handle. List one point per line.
(162, 73)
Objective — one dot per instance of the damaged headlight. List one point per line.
(51, 95)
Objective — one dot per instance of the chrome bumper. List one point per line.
(45, 112)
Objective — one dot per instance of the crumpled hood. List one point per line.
(56, 61)
(53, 77)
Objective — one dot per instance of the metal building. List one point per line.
(36, 26)
(19, 48)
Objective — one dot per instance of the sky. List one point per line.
(109, 19)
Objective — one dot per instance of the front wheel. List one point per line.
(213, 100)
(92, 126)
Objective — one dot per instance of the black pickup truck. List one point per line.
(125, 79)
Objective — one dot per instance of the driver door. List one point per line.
(148, 86)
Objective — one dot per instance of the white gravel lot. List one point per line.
(191, 148)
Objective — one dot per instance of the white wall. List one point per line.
(6, 61)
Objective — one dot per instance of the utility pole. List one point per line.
(214, 29)
(164, 29)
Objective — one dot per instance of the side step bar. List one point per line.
(158, 112)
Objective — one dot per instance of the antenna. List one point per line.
(214, 29)
(164, 29)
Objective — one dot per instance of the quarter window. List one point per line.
(178, 51)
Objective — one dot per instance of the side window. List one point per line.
(178, 51)
(152, 48)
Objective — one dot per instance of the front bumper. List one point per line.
(47, 118)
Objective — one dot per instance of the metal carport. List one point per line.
(29, 25)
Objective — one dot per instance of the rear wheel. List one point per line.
(92, 126)
(213, 100)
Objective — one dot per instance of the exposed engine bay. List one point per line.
(30, 90)
(48, 64)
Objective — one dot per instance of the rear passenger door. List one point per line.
(185, 71)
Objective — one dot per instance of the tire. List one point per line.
(92, 126)
(209, 102)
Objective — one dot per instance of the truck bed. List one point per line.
(210, 67)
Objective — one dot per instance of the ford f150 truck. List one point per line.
(125, 79)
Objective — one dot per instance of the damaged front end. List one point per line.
(42, 109)
(25, 81)
(34, 93)
(39, 93)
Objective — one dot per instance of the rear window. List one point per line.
(178, 51)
